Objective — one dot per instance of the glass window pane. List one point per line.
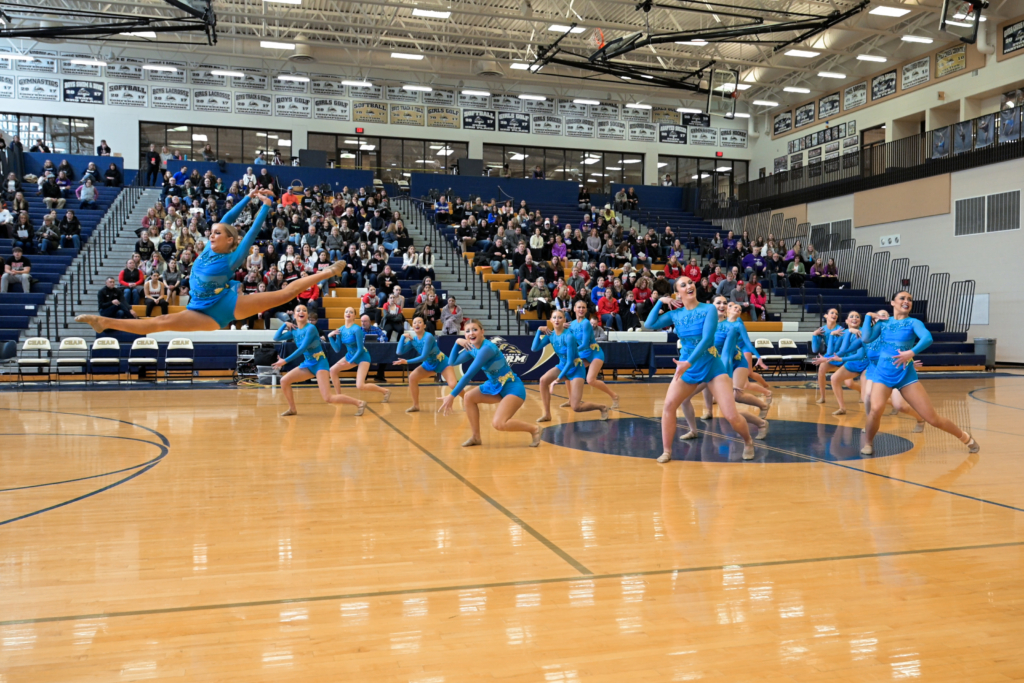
(151, 134)
(687, 171)
(30, 129)
(534, 158)
(201, 137)
(493, 159)
(58, 132)
(83, 136)
(179, 139)
(229, 145)
(347, 151)
(253, 142)
(516, 159)
(282, 145)
(369, 155)
(9, 125)
(391, 160)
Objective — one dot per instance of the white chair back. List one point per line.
(36, 344)
(180, 344)
(73, 344)
(145, 344)
(106, 344)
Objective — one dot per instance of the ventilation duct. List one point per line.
(488, 68)
(303, 53)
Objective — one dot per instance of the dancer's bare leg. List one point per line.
(577, 403)
(293, 375)
(918, 398)
(503, 419)
(363, 385)
(546, 381)
(592, 372)
(182, 321)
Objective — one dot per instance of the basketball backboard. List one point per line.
(961, 17)
(723, 93)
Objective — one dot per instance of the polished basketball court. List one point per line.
(194, 535)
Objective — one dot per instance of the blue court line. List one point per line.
(991, 403)
(164, 447)
(811, 458)
(93, 476)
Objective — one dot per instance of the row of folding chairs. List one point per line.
(785, 360)
(74, 360)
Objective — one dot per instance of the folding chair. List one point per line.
(145, 353)
(8, 358)
(40, 363)
(72, 358)
(772, 360)
(790, 359)
(104, 356)
(179, 360)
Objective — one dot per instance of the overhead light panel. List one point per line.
(625, 78)
(367, 148)
(430, 14)
(917, 39)
(406, 55)
(698, 42)
(689, 110)
(634, 105)
(418, 88)
(631, 161)
(358, 84)
(159, 67)
(291, 77)
(723, 169)
(139, 34)
(766, 103)
(964, 16)
(477, 93)
(520, 66)
(274, 45)
(18, 58)
(232, 74)
(536, 98)
(347, 142)
(286, 2)
(883, 11)
(199, 137)
(790, 88)
(870, 58)
(741, 115)
(830, 74)
(801, 53)
(743, 86)
(650, 78)
(559, 28)
(284, 143)
(594, 102)
(88, 62)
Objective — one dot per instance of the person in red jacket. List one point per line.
(692, 270)
(673, 270)
(642, 296)
(608, 309)
(132, 279)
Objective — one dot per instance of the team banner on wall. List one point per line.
(127, 95)
(783, 123)
(202, 75)
(6, 87)
(940, 143)
(855, 96)
(732, 137)
(323, 84)
(5, 64)
(253, 103)
(570, 108)
(218, 101)
(288, 85)
(1009, 125)
(254, 79)
(373, 92)
(963, 137)
(1013, 37)
(665, 115)
(84, 92)
(474, 101)
(69, 69)
(828, 106)
(513, 122)
(703, 136)
(293, 106)
(611, 130)
(691, 119)
(985, 134)
(805, 115)
(179, 75)
(883, 85)
(444, 98)
(38, 88)
(633, 114)
(950, 61)
(642, 132)
(506, 103)
(331, 109)
(672, 134)
(478, 119)
(171, 98)
(45, 62)
(546, 124)
(397, 94)
(604, 111)
(539, 106)
(370, 112)
(444, 117)
(576, 127)
(407, 115)
(126, 69)
(916, 73)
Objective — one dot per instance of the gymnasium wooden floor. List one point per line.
(199, 537)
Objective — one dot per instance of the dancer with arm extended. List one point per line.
(821, 343)
(729, 320)
(737, 368)
(502, 387)
(590, 352)
(307, 342)
(695, 325)
(870, 349)
(214, 299)
(351, 334)
(430, 358)
(902, 338)
(570, 367)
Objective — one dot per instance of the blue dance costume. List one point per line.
(307, 341)
(588, 348)
(826, 340)
(352, 338)
(430, 356)
(896, 336)
(501, 381)
(852, 351)
(570, 365)
(735, 345)
(696, 331)
(213, 290)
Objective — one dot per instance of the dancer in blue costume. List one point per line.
(307, 342)
(570, 367)
(822, 343)
(214, 299)
(351, 335)
(695, 325)
(589, 352)
(429, 356)
(902, 338)
(729, 320)
(502, 387)
(844, 356)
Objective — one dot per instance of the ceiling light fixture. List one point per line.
(405, 55)
(801, 53)
(232, 74)
(274, 45)
(286, 2)
(290, 77)
(159, 67)
(650, 78)
(139, 34)
(520, 66)
(559, 28)
(476, 93)
(536, 98)
(634, 105)
(743, 86)
(594, 102)
(830, 74)
(883, 11)
(741, 115)
(766, 103)
(689, 110)
(917, 39)
(625, 78)
(418, 88)
(790, 88)
(631, 161)
(367, 148)
(88, 62)
(430, 14)
(698, 42)
(358, 84)
(870, 58)
(964, 16)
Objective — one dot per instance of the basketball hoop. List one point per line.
(597, 38)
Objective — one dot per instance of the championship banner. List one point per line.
(332, 109)
(444, 117)
(84, 92)
(38, 88)
(127, 95)
(218, 101)
(253, 103)
(407, 115)
(369, 112)
(293, 106)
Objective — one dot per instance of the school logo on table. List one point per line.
(513, 355)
